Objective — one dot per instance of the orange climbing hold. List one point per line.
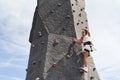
(67, 56)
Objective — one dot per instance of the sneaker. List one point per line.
(84, 69)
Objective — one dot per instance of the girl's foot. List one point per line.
(85, 69)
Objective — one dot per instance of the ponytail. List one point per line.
(87, 32)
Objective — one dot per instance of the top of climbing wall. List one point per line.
(63, 17)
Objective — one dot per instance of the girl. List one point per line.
(85, 41)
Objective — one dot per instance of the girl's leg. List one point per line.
(85, 56)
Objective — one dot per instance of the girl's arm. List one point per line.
(79, 41)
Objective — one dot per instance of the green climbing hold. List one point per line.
(34, 62)
(91, 78)
(59, 4)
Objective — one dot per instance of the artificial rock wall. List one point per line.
(56, 23)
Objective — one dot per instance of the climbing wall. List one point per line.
(80, 17)
(55, 24)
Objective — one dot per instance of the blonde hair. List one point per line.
(87, 32)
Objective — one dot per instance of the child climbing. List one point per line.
(86, 43)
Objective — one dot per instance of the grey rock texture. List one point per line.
(55, 24)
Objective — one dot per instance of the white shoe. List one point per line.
(84, 69)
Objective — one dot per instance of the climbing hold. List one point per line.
(81, 22)
(94, 69)
(68, 16)
(86, 20)
(81, 9)
(80, 14)
(42, 42)
(37, 78)
(67, 56)
(26, 69)
(85, 27)
(72, 4)
(59, 4)
(40, 34)
(52, 11)
(63, 29)
(54, 65)
(34, 62)
(91, 78)
(73, 10)
(77, 23)
(32, 45)
(55, 42)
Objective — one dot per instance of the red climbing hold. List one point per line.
(55, 41)
(54, 65)
(68, 16)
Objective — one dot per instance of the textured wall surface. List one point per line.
(55, 24)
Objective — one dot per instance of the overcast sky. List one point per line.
(15, 24)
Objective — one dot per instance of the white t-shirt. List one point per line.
(86, 38)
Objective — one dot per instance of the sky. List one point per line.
(15, 23)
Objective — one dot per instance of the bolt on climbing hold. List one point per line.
(26, 69)
(91, 78)
(73, 10)
(54, 65)
(52, 11)
(94, 69)
(80, 14)
(40, 34)
(63, 29)
(81, 22)
(32, 45)
(56, 41)
(77, 23)
(68, 16)
(81, 9)
(37, 78)
(34, 62)
(72, 4)
(59, 4)
(67, 56)
(42, 42)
